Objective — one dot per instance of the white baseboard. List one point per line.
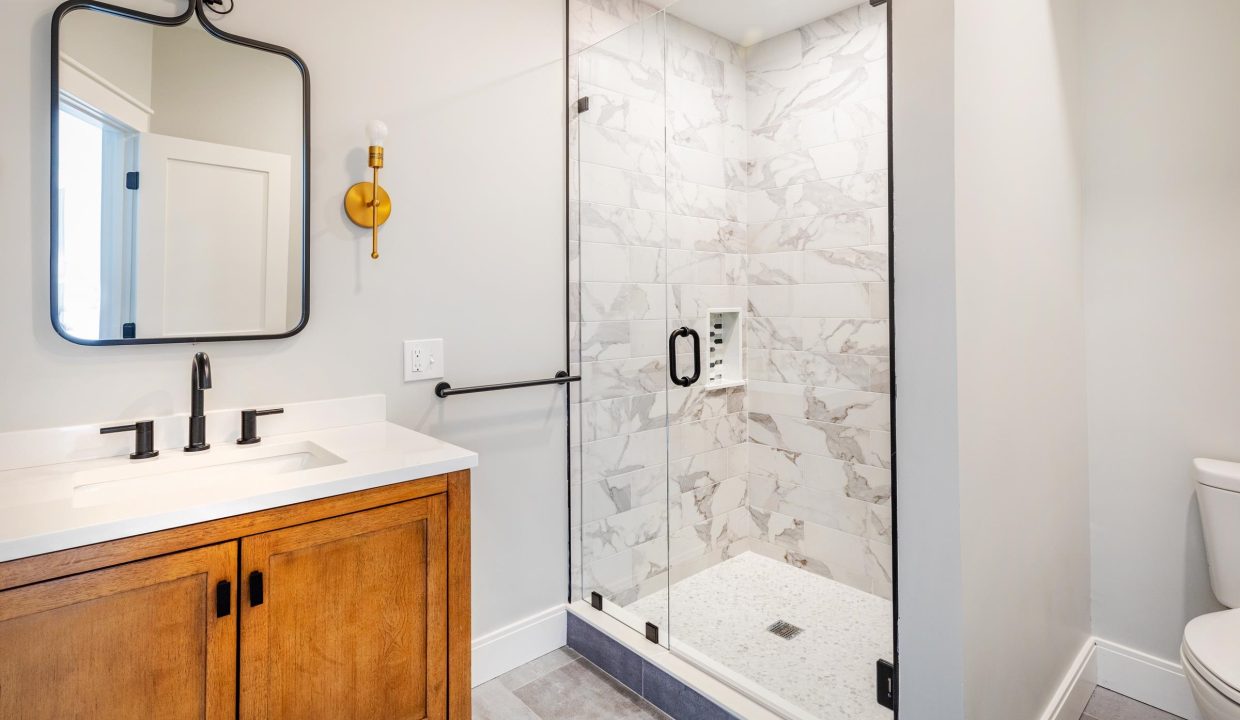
(514, 645)
(1148, 679)
(1072, 695)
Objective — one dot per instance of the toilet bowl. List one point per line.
(1210, 653)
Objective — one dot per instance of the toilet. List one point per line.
(1210, 652)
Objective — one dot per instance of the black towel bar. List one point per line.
(444, 390)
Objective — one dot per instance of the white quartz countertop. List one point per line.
(53, 507)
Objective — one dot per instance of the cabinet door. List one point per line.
(351, 623)
(150, 639)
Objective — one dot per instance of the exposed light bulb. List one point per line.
(377, 131)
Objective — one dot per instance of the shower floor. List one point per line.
(828, 670)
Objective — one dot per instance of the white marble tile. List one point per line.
(610, 224)
(861, 336)
(623, 415)
(859, 192)
(618, 149)
(858, 445)
(607, 379)
(611, 186)
(622, 455)
(601, 301)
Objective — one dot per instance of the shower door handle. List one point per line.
(697, 356)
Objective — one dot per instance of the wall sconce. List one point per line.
(367, 204)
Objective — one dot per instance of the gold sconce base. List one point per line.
(357, 205)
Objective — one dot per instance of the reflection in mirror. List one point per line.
(179, 195)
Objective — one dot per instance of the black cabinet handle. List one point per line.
(697, 356)
(256, 588)
(223, 598)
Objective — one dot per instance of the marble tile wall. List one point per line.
(662, 474)
(819, 422)
(706, 175)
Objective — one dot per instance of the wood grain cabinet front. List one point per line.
(354, 607)
(151, 639)
(346, 618)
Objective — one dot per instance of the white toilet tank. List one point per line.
(1218, 495)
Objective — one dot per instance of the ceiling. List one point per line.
(747, 22)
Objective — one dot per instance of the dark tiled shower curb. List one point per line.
(633, 671)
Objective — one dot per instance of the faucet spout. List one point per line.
(199, 380)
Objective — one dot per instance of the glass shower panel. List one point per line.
(618, 174)
(779, 511)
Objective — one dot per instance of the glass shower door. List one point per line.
(618, 308)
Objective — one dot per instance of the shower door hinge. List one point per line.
(596, 601)
(131, 180)
(652, 633)
(886, 684)
(583, 105)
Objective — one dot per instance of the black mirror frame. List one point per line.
(195, 8)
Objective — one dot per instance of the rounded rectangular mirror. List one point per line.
(179, 180)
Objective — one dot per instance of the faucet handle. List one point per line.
(144, 438)
(249, 424)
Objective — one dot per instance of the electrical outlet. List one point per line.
(423, 359)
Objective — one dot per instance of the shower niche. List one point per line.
(726, 349)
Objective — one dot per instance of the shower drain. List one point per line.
(784, 629)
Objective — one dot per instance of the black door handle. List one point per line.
(223, 598)
(256, 588)
(697, 356)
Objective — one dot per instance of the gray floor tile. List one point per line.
(1108, 705)
(580, 691)
(534, 669)
(493, 701)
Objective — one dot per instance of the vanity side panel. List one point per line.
(38, 568)
(460, 631)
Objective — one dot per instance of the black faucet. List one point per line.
(200, 379)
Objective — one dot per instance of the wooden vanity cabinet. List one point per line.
(352, 607)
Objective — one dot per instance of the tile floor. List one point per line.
(560, 685)
(1107, 705)
(723, 612)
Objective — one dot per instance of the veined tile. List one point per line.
(841, 265)
(703, 168)
(622, 226)
(616, 111)
(602, 301)
(706, 42)
(602, 340)
(693, 438)
(610, 186)
(623, 415)
(707, 502)
(858, 445)
(775, 333)
(615, 494)
(777, 268)
(696, 471)
(622, 455)
(618, 149)
(693, 267)
(625, 530)
(809, 505)
(859, 336)
(850, 120)
(606, 379)
(827, 197)
(704, 234)
(829, 300)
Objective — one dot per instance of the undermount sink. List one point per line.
(180, 473)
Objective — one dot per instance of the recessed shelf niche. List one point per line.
(724, 356)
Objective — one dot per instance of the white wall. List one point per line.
(989, 356)
(930, 621)
(1023, 472)
(474, 253)
(1162, 178)
(120, 52)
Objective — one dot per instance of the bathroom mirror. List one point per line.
(179, 180)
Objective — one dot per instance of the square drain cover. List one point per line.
(784, 629)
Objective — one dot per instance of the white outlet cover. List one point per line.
(423, 359)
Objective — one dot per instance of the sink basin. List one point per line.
(181, 473)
